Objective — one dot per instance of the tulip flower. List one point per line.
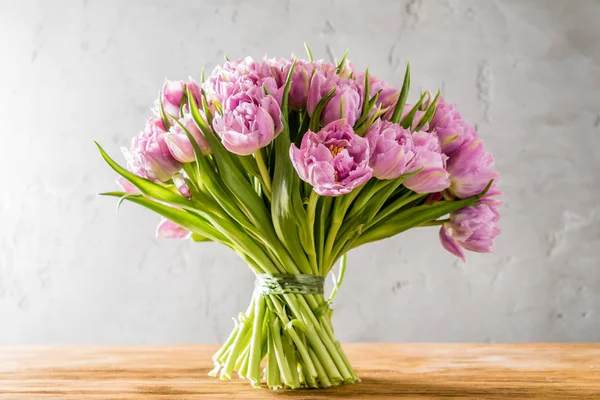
(149, 155)
(298, 94)
(334, 160)
(348, 97)
(171, 230)
(180, 145)
(450, 127)
(172, 95)
(248, 123)
(126, 185)
(471, 228)
(246, 75)
(431, 163)
(470, 170)
(392, 150)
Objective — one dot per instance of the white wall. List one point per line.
(72, 271)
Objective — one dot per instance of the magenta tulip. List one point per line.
(334, 160)
(172, 95)
(348, 97)
(392, 150)
(470, 170)
(171, 230)
(126, 185)
(450, 127)
(471, 228)
(180, 146)
(149, 155)
(431, 163)
(248, 123)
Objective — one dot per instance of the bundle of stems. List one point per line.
(258, 206)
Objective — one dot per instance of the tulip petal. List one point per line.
(450, 244)
(126, 185)
(171, 230)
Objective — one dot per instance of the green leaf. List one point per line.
(364, 127)
(342, 63)
(315, 120)
(322, 225)
(402, 96)
(199, 238)
(161, 111)
(366, 109)
(365, 115)
(146, 187)
(286, 92)
(183, 218)
(408, 120)
(429, 113)
(207, 112)
(287, 209)
(308, 52)
(254, 215)
(406, 219)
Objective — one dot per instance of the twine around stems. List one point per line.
(267, 284)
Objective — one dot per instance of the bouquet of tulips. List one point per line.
(292, 163)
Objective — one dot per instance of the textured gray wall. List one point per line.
(72, 271)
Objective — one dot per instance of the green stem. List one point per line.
(273, 375)
(279, 353)
(256, 343)
(264, 173)
(323, 377)
(300, 344)
(395, 206)
(337, 282)
(336, 370)
(290, 357)
(340, 208)
(237, 346)
(310, 215)
(435, 223)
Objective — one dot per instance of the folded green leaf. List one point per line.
(308, 52)
(146, 187)
(402, 96)
(287, 210)
(408, 120)
(428, 114)
(406, 219)
(315, 120)
(342, 63)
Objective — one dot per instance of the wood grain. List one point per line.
(406, 371)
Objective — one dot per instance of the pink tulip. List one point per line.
(172, 95)
(348, 95)
(471, 228)
(450, 127)
(470, 170)
(126, 185)
(246, 75)
(149, 155)
(433, 176)
(300, 80)
(248, 122)
(334, 160)
(171, 230)
(388, 96)
(179, 144)
(392, 150)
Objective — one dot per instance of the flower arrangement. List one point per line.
(292, 163)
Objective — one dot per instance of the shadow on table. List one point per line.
(375, 388)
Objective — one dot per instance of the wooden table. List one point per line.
(406, 371)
